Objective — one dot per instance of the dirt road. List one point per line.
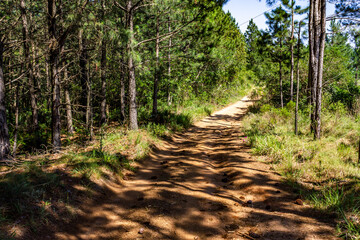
(201, 184)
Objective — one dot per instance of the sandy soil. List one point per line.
(201, 184)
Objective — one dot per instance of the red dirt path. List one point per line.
(201, 184)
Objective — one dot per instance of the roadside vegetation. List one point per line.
(325, 172)
(321, 158)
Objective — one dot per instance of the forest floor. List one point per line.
(200, 184)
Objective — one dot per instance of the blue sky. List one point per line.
(244, 10)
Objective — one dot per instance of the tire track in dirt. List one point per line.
(201, 184)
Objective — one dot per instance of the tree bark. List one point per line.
(48, 82)
(122, 90)
(16, 129)
(103, 70)
(292, 52)
(314, 42)
(83, 59)
(27, 41)
(297, 81)
(322, 32)
(131, 68)
(4, 131)
(89, 110)
(103, 82)
(169, 66)
(281, 84)
(157, 70)
(69, 118)
(54, 53)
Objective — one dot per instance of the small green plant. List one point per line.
(329, 198)
(207, 111)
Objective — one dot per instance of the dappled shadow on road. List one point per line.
(201, 184)
(33, 197)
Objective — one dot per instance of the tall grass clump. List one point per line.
(327, 170)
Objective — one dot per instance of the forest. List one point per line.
(92, 89)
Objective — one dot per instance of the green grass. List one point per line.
(329, 166)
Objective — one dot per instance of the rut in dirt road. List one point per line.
(201, 184)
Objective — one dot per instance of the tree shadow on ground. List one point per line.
(43, 193)
(198, 184)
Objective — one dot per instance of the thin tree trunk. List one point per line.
(281, 84)
(54, 53)
(131, 68)
(157, 70)
(103, 83)
(85, 80)
(322, 31)
(310, 84)
(103, 70)
(89, 110)
(83, 58)
(16, 107)
(29, 65)
(55, 102)
(48, 81)
(4, 131)
(292, 52)
(122, 90)
(314, 58)
(169, 67)
(297, 81)
(69, 118)
(88, 104)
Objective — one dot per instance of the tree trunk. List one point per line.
(103, 82)
(157, 70)
(169, 67)
(69, 118)
(27, 41)
(55, 102)
(54, 53)
(131, 68)
(83, 59)
(16, 107)
(310, 84)
(297, 81)
(48, 82)
(322, 31)
(122, 90)
(89, 110)
(292, 52)
(281, 84)
(4, 132)
(314, 34)
(103, 70)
